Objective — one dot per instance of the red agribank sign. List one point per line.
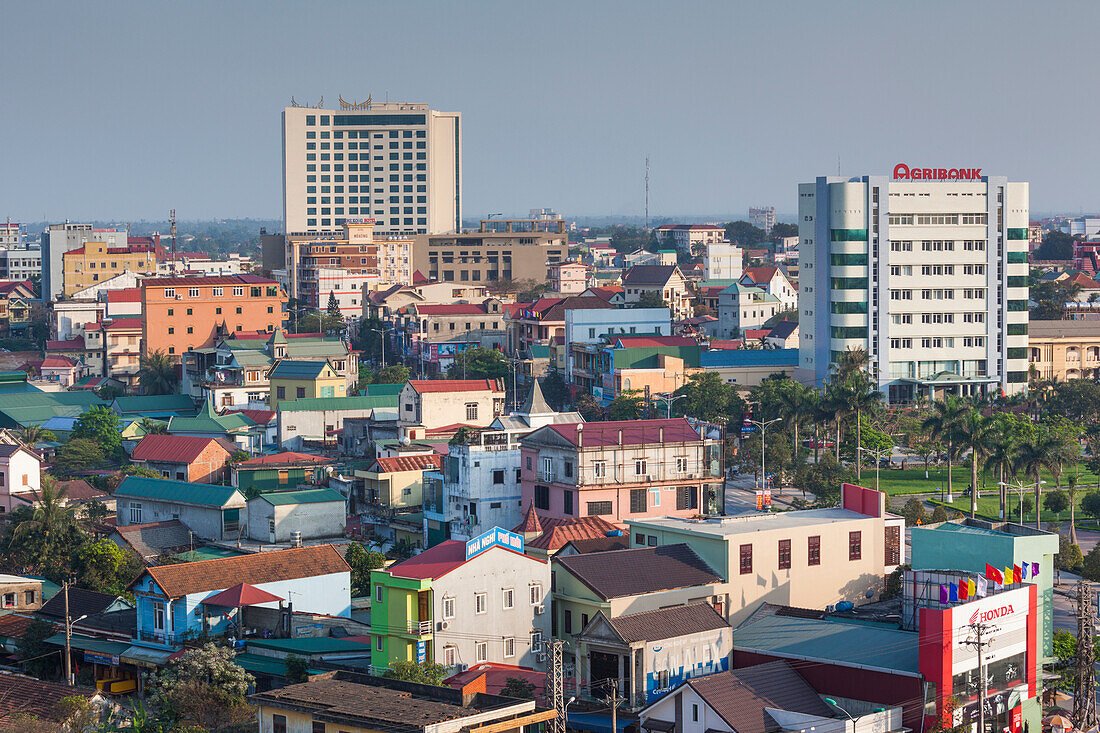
(902, 172)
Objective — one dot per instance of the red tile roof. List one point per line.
(80, 490)
(69, 345)
(421, 462)
(424, 386)
(260, 417)
(125, 295)
(256, 569)
(627, 432)
(607, 292)
(559, 531)
(760, 275)
(284, 459)
(496, 678)
(725, 345)
(438, 561)
(117, 324)
(1086, 282)
(160, 282)
(8, 286)
(57, 362)
(453, 309)
(175, 448)
(530, 523)
(756, 333)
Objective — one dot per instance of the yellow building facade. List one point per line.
(99, 261)
(292, 380)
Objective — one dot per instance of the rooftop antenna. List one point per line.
(172, 231)
(838, 164)
(647, 193)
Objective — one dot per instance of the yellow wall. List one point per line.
(93, 264)
(312, 387)
(303, 722)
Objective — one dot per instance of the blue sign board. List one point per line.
(108, 659)
(421, 652)
(493, 538)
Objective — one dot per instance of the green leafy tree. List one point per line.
(745, 234)
(519, 688)
(79, 455)
(1032, 457)
(333, 307)
(1073, 491)
(157, 374)
(153, 427)
(914, 513)
(629, 404)
(1090, 567)
(478, 363)
(555, 390)
(40, 659)
(589, 407)
(978, 433)
(368, 339)
(1056, 501)
(1069, 555)
(429, 673)
(824, 479)
(33, 434)
(391, 374)
(104, 566)
(204, 688)
(48, 528)
(1056, 245)
(362, 562)
(297, 669)
(1090, 504)
(939, 514)
(707, 397)
(100, 424)
(649, 299)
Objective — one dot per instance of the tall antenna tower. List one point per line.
(172, 232)
(1084, 687)
(555, 688)
(647, 193)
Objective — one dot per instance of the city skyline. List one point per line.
(732, 105)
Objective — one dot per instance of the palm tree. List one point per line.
(978, 433)
(793, 408)
(850, 362)
(1001, 459)
(33, 434)
(1072, 490)
(157, 374)
(943, 425)
(50, 519)
(863, 399)
(153, 427)
(1031, 458)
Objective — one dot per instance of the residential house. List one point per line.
(278, 472)
(622, 469)
(809, 558)
(666, 281)
(434, 403)
(354, 703)
(543, 321)
(594, 544)
(722, 261)
(96, 261)
(79, 493)
(179, 602)
(297, 516)
(690, 237)
(773, 281)
(568, 278)
(645, 654)
(43, 703)
(630, 581)
(20, 477)
(764, 698)
(587, 331)
(121, 342)
(212, 512)
(90, 360)
(320, 421)
(613, 294)
(748, 367)
(742, 307)
(15, 305)
(480, 479)
(199, 460)
(235, 427)
(20, 594)
(82, 602)
(153, 406)
(295, 380)
(463, 603)
(61, 369)
(545, 537)
(152, 540)
(387, 303)
(461, 324)
(783, 335)
(397, 482)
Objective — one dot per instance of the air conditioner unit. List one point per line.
(539, 610)
(444, 625)
(541, 657)
(462, 667)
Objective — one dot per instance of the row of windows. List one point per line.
(364, 146)
(365, 120)
(356, 178)
(355, 156)
(937, 219)
(339, 168)
(271, 291)
(393, 221)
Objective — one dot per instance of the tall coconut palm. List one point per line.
(1073, 488)
(863, 399)
(50, 519)
(1031, 458)
(33, 434)
(153, 427)
(943, 425)
(157, 374)
(794, 409)
(851, 361)
(978, 433)
(1001, 460)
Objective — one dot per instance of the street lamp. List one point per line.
(878, 454)
(833, 702)
(382, 341)
(1020, 487)
(565, 713)
(763, 425)
(669, 400)
(69, 679)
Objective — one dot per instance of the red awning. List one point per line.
(241, 594)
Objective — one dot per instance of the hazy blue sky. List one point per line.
(127, 109)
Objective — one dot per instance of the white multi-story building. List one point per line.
(722, 261)
(11, 235)
(20, 263)
(395, 162)
(61, 238)
(926, 271)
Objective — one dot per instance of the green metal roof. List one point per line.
(155, 403)
(251, 358)
(162, 489)
(539, 351)
(645, 357)
(305, 496)
(310, 645)
(817, 639)
(39, 399)
(271, 666)
(296, 349)
(293, 369)
(383, 390)
(90, 643)
(309, 404)
(207, 421)
(13, 376)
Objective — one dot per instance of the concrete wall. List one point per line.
(21, 474)
(315, 521)
(296, 426)
(205, 522)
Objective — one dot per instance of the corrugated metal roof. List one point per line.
(161, 489)
(749, 358)
(295, 369)
(330, 404)
(305, 496)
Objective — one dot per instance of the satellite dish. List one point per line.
(405, 440)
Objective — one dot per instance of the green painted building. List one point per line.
(970, 544)
(277, 472)
(401, 608)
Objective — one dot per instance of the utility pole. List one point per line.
(976, 641)
(172, 231)
(555, 689)
(68, 638)
(613, 699)
(646, 205)
(1084, 687)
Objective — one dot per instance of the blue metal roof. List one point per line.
(749, 358)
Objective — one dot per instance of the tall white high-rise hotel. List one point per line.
(394, 162)
(926, 270)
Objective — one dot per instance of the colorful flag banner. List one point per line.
(954, 592)
(1034, 570)
(944, 595)
(992, 573)
(1023, 573)
(1009, 575)
(971, 589)
(1017, 577)
(983, 587)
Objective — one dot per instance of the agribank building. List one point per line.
(926, 270)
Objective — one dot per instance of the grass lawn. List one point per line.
(989, 506)
(912, 481)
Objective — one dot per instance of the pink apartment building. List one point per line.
(621, 470)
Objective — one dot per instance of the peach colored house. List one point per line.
(183, 313)
(568, 278)
(621, 470)
(185, 458)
